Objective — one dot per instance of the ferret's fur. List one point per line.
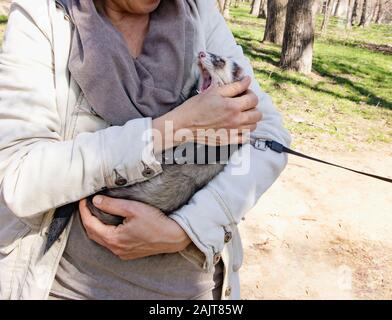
(177, 183)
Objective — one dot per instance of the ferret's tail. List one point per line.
(60, 220)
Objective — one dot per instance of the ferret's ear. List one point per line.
(238, 72)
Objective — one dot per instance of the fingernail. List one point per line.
(97, 200)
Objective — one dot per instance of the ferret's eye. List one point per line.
(219, 62)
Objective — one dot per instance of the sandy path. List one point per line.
(321, 232)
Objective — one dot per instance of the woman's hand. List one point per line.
(146, 231)
(217, 109)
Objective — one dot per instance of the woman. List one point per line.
(65, 67)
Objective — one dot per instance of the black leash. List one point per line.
(280, 148)
(203, 154)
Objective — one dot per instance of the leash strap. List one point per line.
(261, 144)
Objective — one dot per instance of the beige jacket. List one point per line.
(54, 151)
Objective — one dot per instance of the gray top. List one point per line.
(89, 271)
(148, 86)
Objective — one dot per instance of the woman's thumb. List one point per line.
(117, 207)
(236, 88)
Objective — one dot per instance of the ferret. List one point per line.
(177, 183)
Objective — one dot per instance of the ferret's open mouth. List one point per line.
(206, 78)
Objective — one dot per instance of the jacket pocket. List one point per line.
(195, 256)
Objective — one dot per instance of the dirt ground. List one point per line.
(322, 233)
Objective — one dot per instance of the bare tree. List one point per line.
(327, 14)
(320, 7)
(255, 8)
(5, 7)
(386, 12)
(349, 16)
(373, 13)
(226, 9)
(297, 52)
(356, 9)
(380, 11)
(276, 19)
(220, 4)
(364, 16)
(263, 9)
(337, 7)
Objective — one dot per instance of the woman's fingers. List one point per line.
(148, 232)
(120, 207)
(246, 101)
(251, 117)
(218, 109)
(95, 229)
(247, 128)
(239, 133)
(235, 89)
(117, 207)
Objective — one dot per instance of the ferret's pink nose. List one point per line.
(202, 54)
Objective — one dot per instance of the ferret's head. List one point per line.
(217, 70)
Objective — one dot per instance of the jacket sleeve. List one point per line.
(40, 171)
(221, 205)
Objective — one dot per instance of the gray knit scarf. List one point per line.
(117, 86)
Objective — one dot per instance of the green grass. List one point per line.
(347, 99)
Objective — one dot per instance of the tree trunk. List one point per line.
(349, 22)
(380, 12)
(263, 10)
(5, 7)
(276, 20)
(297, 52)
(364, 15)
(327, 14)
(226, 9)
(355, 14)
(220, 4)
(337, 7)
(374, 11)
(255, 8)
(320, 8)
